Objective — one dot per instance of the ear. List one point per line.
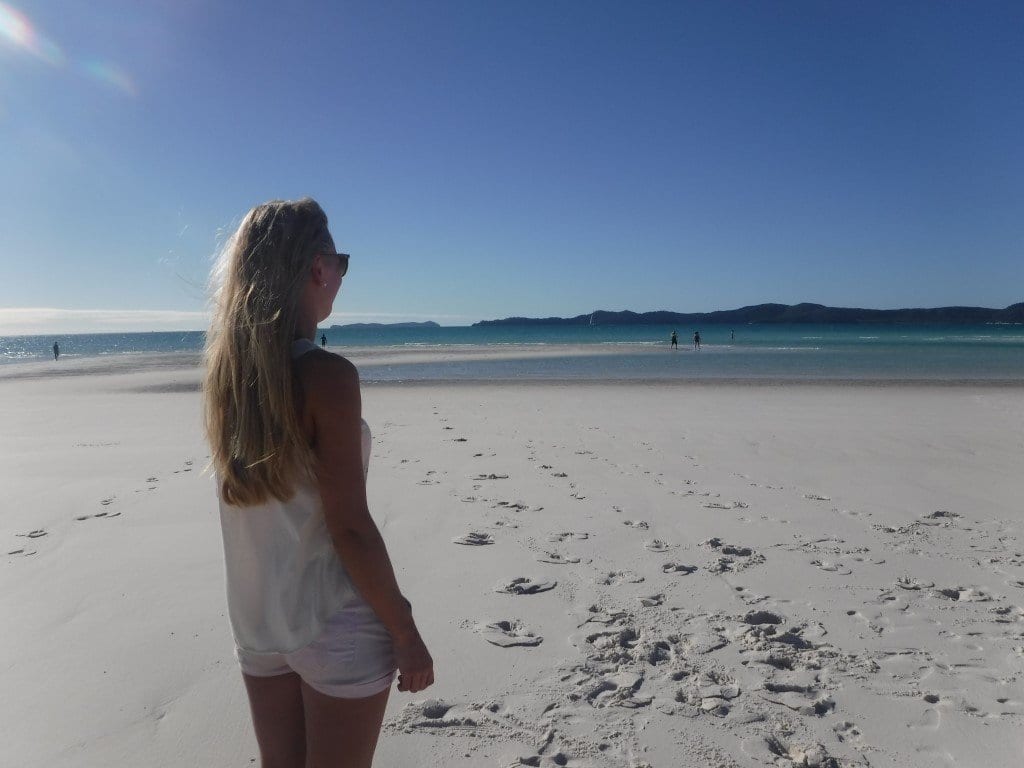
(316, 271)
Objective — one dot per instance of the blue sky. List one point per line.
(481, 160)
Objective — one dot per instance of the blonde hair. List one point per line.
(258, 447)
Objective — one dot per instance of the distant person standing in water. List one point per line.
(696, 339)
(675, 340)
(732, 335)
(323, 340)
(56, 350)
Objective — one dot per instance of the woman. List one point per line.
(319, 623)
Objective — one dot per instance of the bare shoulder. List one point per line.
(328, 379)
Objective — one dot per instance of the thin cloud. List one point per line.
(25, 321)
(30, 321)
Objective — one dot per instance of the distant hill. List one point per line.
(367, 326)
(781, 313)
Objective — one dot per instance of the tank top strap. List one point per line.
(301, 347)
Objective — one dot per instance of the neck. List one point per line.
(305, 325)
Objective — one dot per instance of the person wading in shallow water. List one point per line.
(320, 625)
(56, 350)
(696, 339)
(675, 340)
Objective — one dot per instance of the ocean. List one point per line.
(934, 353)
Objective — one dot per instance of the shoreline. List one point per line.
(188, 367)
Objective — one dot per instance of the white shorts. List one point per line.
(351, 659)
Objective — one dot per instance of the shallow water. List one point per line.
(784, 352)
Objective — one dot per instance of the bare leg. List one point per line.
(342, 733)
(277, 716)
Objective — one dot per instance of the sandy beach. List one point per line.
(607, 575)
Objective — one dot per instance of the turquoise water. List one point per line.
(854, 352)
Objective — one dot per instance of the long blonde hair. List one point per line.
(258, 447)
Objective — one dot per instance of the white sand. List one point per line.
(861, 620)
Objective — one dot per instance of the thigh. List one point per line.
(278, 718)
(342, 733)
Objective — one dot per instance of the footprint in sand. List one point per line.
(565, 535)
(599, 615)
(817, 497)
(557, 558)
(474, 539)
(614, 578)
(799, 691)
(826, 565)
(720, 505)
(755, 618)
(728, 549)
(705, 641)
(941, 514)
(846, 731)
(710, 693)
(554, 760)
(618, 690)
(729, 563)
(652, 601)
(491, 476)
(657, 545)
(783, 750)
(525, 585)
(906, 582)
(509, 633)
(641, 524)
(963, 594)
(686, 570)
(37, 533)
(434, 714)
(518, 506)
(99, 514)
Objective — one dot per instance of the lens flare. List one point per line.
(18, 31)
(108, 74)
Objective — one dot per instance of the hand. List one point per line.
(415, 667)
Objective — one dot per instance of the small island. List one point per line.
(783, 313)
(372, 326)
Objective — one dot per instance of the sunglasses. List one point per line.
(342, 261)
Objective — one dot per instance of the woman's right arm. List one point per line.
(332, 400)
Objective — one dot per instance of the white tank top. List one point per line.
(284, 577)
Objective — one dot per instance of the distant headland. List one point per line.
(781, 313)
(369, 326)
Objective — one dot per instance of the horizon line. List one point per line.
(46, 321)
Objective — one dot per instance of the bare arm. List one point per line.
(331, 387)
